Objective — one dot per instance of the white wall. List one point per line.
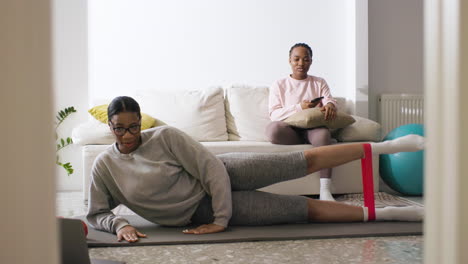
(70, 80)
(357, 52)
(395, 49)
(180, 44)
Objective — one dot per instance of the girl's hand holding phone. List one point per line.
(311, 104)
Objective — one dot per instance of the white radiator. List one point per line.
(400, 109)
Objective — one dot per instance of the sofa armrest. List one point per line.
(362, 130)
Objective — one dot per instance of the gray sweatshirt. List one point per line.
(163, 181)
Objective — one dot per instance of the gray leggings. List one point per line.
(250, 171)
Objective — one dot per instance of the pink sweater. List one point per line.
(287, 94)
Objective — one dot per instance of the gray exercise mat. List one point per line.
(158, 235)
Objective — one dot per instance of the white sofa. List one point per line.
(232, 119)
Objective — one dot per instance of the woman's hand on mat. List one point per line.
(205, 229)
(129, 233)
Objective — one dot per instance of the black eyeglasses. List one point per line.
(120, 131)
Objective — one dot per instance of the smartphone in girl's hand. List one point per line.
(317, 99)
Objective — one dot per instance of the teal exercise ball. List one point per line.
(404, 171)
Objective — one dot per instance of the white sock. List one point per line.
(325, 194)
(408, 143)
(406, 213)
(365, 210)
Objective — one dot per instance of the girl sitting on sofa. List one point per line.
(168, 178)
(294, 94)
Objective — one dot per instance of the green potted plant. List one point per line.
(61, 142)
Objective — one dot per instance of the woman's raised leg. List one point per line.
(250, 171)
(332, 156)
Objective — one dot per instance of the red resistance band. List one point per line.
(368, 181)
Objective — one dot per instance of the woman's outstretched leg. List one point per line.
(262, 208)
(330, 211)
(250, 171)
(332, 156)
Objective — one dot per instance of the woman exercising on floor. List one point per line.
(168, 178)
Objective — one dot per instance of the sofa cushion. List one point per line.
(247, 112)
(100, 113)
(313, 117)
(199, 113)
(362, 130)
(92, 132)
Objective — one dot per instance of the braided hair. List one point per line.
(309, 50)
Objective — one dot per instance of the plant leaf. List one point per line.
(61, 115)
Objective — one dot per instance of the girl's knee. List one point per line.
(320, 137)
(278, 132)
